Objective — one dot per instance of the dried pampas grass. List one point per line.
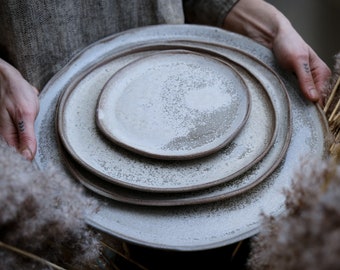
(307, 236)
(42, 217)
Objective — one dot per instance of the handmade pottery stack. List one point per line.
(167, 124)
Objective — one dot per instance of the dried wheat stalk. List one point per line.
(332, 109)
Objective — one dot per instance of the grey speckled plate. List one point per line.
(192, 227)
(80, 137)
(173, 105)
(261, 105)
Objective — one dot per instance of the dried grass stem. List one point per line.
(332, 95)
(29, 255)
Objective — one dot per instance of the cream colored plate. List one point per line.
(80, 137)
(261, 103)
(173, 105)
(194, 227)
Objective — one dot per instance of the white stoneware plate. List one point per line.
(261, 104)
(173, 105)
(79, 134)
(194, 227)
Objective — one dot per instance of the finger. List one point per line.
(306, 81)
(25, 118)
(8, 131)
(26, 138)
(322, 75)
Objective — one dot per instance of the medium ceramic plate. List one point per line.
(80, 136)
(173, 105)
(261, 103)
(194, 227)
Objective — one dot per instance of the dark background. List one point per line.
(318, 23)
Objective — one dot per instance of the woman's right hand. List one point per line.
(19, 107)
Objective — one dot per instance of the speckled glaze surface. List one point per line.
(263, 113)
(78, 104)
(201, 226)
(173, 105)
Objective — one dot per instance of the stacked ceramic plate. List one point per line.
(186, 133)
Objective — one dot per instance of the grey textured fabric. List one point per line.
(40, 37)
(207, 12)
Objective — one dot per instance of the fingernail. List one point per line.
(314, 94)
(27, 154)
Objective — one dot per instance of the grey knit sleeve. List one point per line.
(210, 12)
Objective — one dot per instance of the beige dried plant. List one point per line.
(307, 236)
(332, 109)
(42, 218)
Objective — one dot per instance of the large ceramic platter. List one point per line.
(80, 136)
(194, 227)
(173, 105)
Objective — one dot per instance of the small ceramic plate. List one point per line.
(173, 105)
(79, 135)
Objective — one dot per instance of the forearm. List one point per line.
(256, 19)
(7, 71)
(4, 66)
